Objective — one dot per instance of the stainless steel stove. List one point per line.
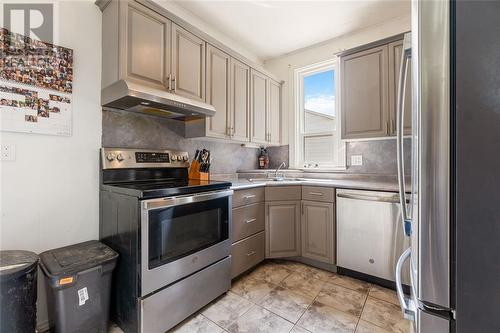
(172, 235)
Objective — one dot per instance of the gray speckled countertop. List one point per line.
(365, 184)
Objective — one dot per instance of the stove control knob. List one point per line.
(174, 157)
(111, 157)
(185, 158)
(120, 157)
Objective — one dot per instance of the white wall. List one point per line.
(49, 194)
(283, 67)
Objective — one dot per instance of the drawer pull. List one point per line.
(316, 193)
(250, 220)
(251, 253)
(250, 196)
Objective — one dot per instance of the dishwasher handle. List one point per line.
(392, 199)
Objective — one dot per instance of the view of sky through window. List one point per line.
(319, 92)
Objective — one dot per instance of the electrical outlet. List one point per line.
(356, 159)
(8, 152)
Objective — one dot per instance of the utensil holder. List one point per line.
(195, 173)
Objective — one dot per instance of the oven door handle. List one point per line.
(185, 199)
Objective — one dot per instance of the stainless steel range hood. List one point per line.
(130, 96)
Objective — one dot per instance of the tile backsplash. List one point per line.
(129, 130)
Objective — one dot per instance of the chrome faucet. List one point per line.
(282, 165)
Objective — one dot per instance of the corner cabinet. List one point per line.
(318, 231)
(282, 229)
(369, 83)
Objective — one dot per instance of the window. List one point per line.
(317, 133)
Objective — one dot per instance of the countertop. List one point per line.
(365, 184)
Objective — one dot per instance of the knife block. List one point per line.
(194, 172)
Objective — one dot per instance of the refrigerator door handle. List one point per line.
(403, 71)
(407, 305)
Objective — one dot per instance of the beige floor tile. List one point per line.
(260, 320)
(366, 327)
(298, 329)
(226, 309)
(385, 315)
(197, 324)
(303, 284)
(315, 272)
(252, 289)
(384, 294)
(270, 273)
(320, 318)
(342, 298)
(351, 283)
(286, 303)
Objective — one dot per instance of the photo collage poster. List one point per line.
(36, 85)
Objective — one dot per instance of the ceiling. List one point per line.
(273, 28)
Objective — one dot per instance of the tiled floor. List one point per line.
(289, 297)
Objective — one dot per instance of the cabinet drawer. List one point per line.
(247, 253)
(247, 197)
(316, 193)
(248, 220)
(282, 193)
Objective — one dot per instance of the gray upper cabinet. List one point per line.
(318, 231)
(188, 64)
(282, 229)
(218, 71)
(143, 46)
(239, 101)
(258, 107)
(364, 90)
(274, 110)
(395, 50)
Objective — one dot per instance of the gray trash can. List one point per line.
(18, 272)
(78, 279)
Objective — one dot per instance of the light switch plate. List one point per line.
(8, 152)
(356, 160)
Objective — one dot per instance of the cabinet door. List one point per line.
(364, 89)
(240, 101)
(395, 51)
(144, 45)
(217, 93)
(188, 64)
(258, 93)
(274, 111)
(318, 231)
(282, 229)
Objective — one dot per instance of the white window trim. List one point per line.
(296, 142)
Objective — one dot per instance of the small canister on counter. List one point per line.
(263, 158)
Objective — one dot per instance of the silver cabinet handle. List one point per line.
(175, 83)
(169, 82)
(250, 196)
(316, 193)
(403, 71)
(251, 253)
(250, 220)
(407, 305)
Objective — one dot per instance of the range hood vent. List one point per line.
(130, 96)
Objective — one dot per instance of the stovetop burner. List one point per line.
(165, 174)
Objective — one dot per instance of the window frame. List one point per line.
(297, 149)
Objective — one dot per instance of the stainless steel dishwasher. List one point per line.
(370, 237)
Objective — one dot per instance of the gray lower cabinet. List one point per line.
(188, 64)
(247, 253)
(364, 90)
(318, 231)
(248, 220)
(282, 229)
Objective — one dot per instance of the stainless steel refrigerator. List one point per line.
(453, 219)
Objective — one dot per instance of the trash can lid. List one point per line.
(76, 258)
(16, 262)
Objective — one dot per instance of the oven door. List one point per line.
(182, 235)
